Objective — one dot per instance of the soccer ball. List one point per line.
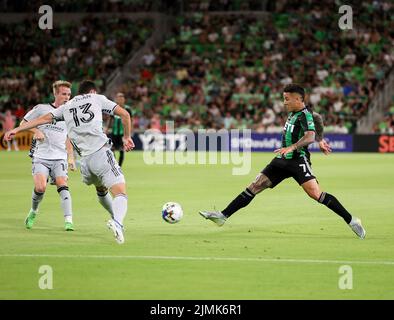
(172, 212)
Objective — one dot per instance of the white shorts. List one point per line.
(101, 169)
(52, 168)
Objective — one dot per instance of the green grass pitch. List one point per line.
(282, 246)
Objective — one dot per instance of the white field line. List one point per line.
(280, 260)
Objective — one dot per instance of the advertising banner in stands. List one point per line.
(269, 142)
(23, 139)
(224, 141)
(374, 143)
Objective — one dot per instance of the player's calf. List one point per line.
(332, 203)
(37, 197)
(105, 199)
(66, 203)
(119, 202)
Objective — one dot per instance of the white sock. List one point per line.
(106, 201)
(66, 203)
(119, 207)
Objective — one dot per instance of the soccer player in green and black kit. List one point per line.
(292, 160)
(115, 123)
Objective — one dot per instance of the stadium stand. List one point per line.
(218, 68)
(228, 70)
(30, 61)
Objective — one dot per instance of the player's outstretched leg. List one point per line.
(333, 203)
(119, 208)
(312, 188)
(220, 217)
(242, 200)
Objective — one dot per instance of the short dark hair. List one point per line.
(85, 86)
(295, 88)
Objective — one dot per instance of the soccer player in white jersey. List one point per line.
(49, 151)
(84, 121)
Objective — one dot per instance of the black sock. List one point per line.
(121, 157)
(332, 203)
(242, 200)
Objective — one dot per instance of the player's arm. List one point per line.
(307, 139)
(47, 118)
(319, 126)
(37, 133)
(128, 142)
(70, 155)
(108, 124)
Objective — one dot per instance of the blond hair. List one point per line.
(60, 83)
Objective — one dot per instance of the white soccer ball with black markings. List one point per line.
(172, 212)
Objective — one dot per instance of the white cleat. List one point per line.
(215, 216)
(358, 229)
(117, 229)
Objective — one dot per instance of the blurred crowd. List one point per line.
(227, 71)
(77, 5)
(386, 125)
(213, 71)
(139, 5)
(31, 60)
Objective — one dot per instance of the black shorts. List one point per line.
(117, 142)
(280, 169)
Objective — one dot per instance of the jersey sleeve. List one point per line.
(57, 113)
(33, 114)
(107, 106)
(307, 122)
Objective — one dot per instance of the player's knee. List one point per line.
(60, 182)
(40, 188)
(117, 189)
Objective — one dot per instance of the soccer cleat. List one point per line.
(29, 221)
(117, 229)
(215, 216)
(68, 226)
(358, 229)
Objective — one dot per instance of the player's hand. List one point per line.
(284, 151)
(325, 147)
(128, 144)
(71, 164)
(9, 135)
(39, 135)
